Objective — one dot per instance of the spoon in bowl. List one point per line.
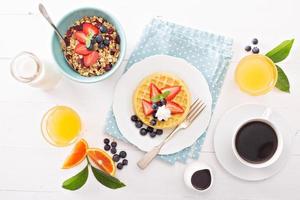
(62, 42)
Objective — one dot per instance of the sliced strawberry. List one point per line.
(80, 36)
(174, 107)
(88, 28)
(147, 107)
(173, 92)
(82, 50)
(154, 91)
(91, 59)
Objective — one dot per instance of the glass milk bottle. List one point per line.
(27, 68)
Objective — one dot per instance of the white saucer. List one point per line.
(123, 106)
(223, 139)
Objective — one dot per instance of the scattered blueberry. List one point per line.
(106, 42)
(153, 134)
(138, 124)
(103, 29)
(123, 154)
(255, 41)
(113, 150)
(106, 141)
(248, 48)
(134, 118)
(159, 132)
(154, 106)
(150, 129)
(116, 158)
(119, 165)
(125, 162)
(255, 50)
(153, 122)
(114, 144)
(99, 38)
(106, 147)
(143, 131)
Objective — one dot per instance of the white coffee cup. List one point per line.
(265, 118)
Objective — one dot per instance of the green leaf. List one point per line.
(77, 181)
(89, 39)
(282, 81)
(160, 96)
(106, 179)
(280, 52)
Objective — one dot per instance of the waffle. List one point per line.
(161, 80)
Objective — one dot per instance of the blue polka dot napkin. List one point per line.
(208, 52)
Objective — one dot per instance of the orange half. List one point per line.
(102, 160)
(77, 155)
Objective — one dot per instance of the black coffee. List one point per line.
(201, 179)
(256, 142)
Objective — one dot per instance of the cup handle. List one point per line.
(267, 113)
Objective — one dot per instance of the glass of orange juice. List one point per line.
(61, 126)
(256, 74)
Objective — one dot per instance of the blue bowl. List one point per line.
(67, 21)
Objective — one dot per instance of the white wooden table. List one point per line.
(30, 168)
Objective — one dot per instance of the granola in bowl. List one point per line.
(93, 46)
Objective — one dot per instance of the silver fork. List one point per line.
(196, 108)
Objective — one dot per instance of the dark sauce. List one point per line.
(201, 179)
(256, 142)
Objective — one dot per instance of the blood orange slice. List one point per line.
(102, 160)
(77, 155)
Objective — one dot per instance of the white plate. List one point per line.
(223, 139)
(123, 106)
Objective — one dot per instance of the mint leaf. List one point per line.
(106, 179)
(280, 52)
(282, 81)
(160, 96)
(77, 181)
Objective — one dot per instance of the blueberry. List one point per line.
(134, 118)
(114, 144)
(123, 154)
(108, 67)
(255, 41)
(113, 150)
(154, 115)
(106, 42)
(138, 124)
(106, 141)
(154, 106)
(143, 131)
(149, 129)
(248, 48)
(164, 102)
(153, 122)
(116, 158)
(106, 147)
(101, 45)
(120, 166)
(255, 50)
(159, 104)
(159, 131)
(153, 134)
(125, 162)
(103, 29)
(99, 38)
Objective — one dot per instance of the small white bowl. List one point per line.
(191, 169)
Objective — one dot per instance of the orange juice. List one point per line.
(61, 126)
(256, 74)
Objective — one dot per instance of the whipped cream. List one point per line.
(163, 113)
